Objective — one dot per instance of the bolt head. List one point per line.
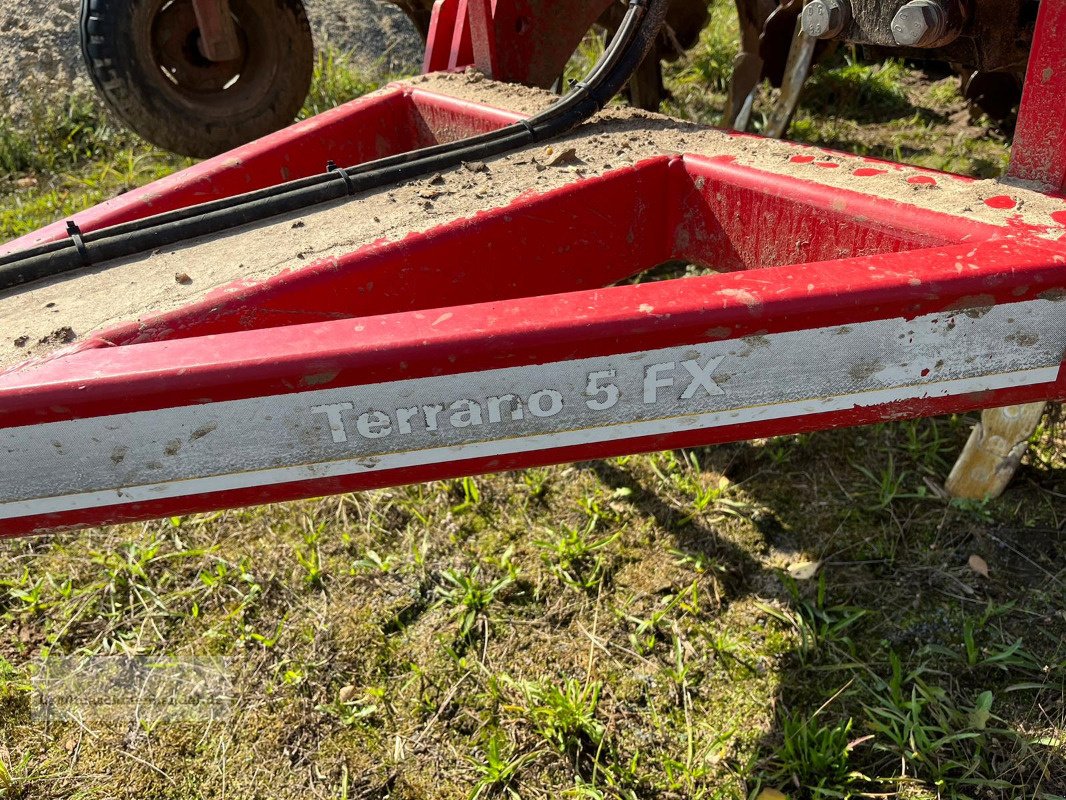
(918, 24)
(823, 19)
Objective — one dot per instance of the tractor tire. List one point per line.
(144, 59)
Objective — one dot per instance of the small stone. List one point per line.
(298, 224)
(182, 278)
(64, 335)
(978, 565)
(437, 179)
(557, 156)
(346, 693)
(804, 570)
(21, 341)
(476, 166)
(26, 183)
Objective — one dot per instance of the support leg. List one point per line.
(993, 452)
(218, 32)
(1038, 156)
(747, 70)
(646, 84)
(800, 57)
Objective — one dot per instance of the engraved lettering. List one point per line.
(597, 386)
(333, 415)
(430, 413)
(404, 417)
(536, 406)
(652, 381)
(701, 377)
(374, 425)
(467, 413)
(589, 392)
(495, 405)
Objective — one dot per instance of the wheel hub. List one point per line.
(177, 52)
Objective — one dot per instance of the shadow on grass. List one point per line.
(910, 667)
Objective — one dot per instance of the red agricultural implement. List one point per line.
(455, 326)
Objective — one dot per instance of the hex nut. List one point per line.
(824, 19)
(920, 23)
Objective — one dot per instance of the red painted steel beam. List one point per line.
(696, 209)
(213, 421)
(442, 22)
(524, 41)
(1038, 153)
(396, 120)
(483, 35)
(339, 376)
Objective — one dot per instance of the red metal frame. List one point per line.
(1039, 151)
(520, 41)
(835, 307)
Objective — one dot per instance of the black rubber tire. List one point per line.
(157, 82)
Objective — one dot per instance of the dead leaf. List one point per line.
(978, 565)
(346, 693)
(804, 570)
(771, 794)
(26, 183)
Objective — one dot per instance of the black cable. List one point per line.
(627, 49)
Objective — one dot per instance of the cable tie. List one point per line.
(331, 166)
(74, 232)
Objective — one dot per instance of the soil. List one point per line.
(102, 297)
(40, 57)
(474, 86)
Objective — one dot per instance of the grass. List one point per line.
(884, 109)
(68, 156)
(795, 614)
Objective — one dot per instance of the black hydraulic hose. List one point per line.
(628, 48)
